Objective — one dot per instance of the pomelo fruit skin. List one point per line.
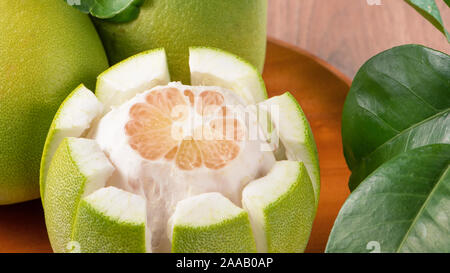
(210, 223)
(281, 207)
(47, 48)
(78, 168)
(233, 25)
(74, 116)
(111, 220)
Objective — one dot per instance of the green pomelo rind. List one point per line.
(296, 136)
(82, 107)
(67, 182)
(282, 208)
(144, 71)
(230, 233)
(216, 67)
(46, 49)
(97, 230)
(234, 25)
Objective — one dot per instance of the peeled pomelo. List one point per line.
(46, 49)
(184, 157)
(234, 25)
(154, 147)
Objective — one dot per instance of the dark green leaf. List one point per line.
(404, 206)
(112, 10)
(399, 100)
(430, 11)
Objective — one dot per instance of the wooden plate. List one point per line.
(321, 91)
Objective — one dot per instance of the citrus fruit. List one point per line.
(46, 49)
(234, 25)
(184, 156)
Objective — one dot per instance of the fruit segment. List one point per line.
(111, 220)
(294, 132)
(215, 67)
(73, 118)
(134, 75)
(77, 169)
(281, 207)
(210, 223)
(162, 127)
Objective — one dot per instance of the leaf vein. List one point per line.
(440, 179)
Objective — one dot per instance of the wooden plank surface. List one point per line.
(346, 33)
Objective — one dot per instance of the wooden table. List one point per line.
(346, 33)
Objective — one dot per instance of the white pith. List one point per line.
(74, 119)
(78, 112)
(121, 206)
(210, 67)
(195, 198)
(292, 132)
(118, 204)
(126, 79)
(259, 194)
(203, 210)
(91, 162)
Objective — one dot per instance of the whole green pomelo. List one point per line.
(237, 26)
(47, 48)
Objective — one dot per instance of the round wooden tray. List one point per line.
(321, 91)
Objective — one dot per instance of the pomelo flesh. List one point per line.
(234, 25)
(47, 48)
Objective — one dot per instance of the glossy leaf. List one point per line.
(429, 10)
(112, 10)
(404, 206)
(399, 100)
